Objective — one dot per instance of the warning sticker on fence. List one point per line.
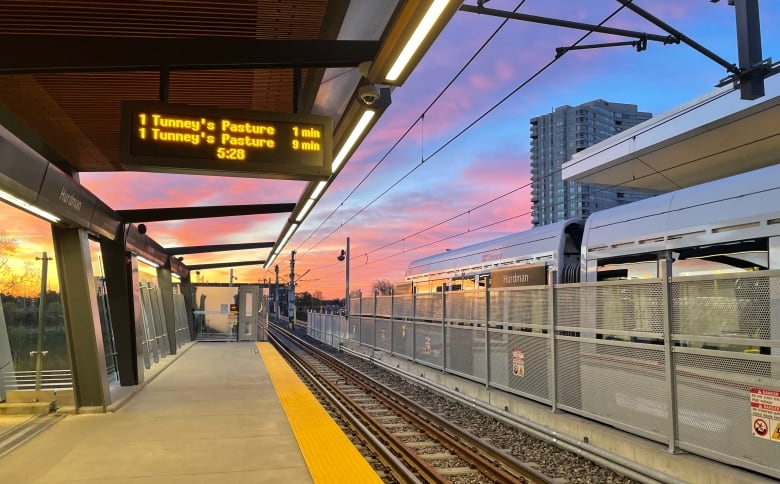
(765, 413)
(518, 362)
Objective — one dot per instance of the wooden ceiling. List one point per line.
(71, 63)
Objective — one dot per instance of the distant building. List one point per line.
(555, 137)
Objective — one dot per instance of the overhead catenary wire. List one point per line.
(447, 143)
(404, 239)
(419, 119)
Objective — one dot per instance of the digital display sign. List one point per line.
(179, 138)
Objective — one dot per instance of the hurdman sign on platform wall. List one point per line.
(178, 138)
(519, 276)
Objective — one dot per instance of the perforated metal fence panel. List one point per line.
(610, 364)
(724, 355)
(384, 306)
(384, 334)
(429, 343)
(520, 363)
(402, 326)
(428, 307)
(465, 350)
(367, 330)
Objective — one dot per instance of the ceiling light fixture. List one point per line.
(353, 138)
(414, 42)
(147, 261)
(305, 210)
(28, 207)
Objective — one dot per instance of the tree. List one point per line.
(383, 287)
(11, 280)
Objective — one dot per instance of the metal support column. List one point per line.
(82, 320)
(487, 330)
(671, 387)
(124, 302)
(165, 284)
(291, 294)
(189, 295)
(552, 276)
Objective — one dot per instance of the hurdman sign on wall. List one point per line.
(178, 138)
(519, 276)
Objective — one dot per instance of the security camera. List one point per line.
(342, 256)
(369, 94)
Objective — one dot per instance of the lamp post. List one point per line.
(41, 313)
(345, 256)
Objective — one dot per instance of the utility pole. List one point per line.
(291, 293)
(41, 312)
(276, 290)
(346, 300)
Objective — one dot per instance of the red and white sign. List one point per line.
(765, 413)
(518, 362)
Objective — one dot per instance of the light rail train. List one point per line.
(727, 225)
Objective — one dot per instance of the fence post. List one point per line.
(392, 319)
(487, 330)
(552, 311)
(671, 400)
(373, 345)
(414, 325)
(443, 328)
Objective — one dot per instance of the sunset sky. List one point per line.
(397, 214)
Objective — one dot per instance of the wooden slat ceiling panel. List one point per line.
(262, 19)
(78, 113)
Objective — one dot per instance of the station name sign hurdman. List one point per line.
(519, 276)
(181, 138)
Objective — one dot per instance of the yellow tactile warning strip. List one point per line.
(330, 455)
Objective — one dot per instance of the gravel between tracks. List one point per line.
(551, 460)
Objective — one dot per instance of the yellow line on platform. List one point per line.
(328, 452)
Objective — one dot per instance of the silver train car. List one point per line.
(556, 245)
(727, 225)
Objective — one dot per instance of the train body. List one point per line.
(556, 245)
(727, 225)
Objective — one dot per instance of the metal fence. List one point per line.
(692, 362)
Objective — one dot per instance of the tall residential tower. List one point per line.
(555, 137)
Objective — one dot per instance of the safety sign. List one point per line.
(765, 413)
(518, 362)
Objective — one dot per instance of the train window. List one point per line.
(745, 255)
(618, 270)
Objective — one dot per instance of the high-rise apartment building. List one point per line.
(555, 137)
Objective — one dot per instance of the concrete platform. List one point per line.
(209, 414)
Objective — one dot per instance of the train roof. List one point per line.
(735, 208)
(540, 243)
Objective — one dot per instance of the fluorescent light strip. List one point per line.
(425, 25)
(146, 261)
(352, 139)
(305, 210)
(318, 190)
(269, 261)
(287, 236)
(30, 208)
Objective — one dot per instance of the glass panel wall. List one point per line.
(106, 328)
(33, 346)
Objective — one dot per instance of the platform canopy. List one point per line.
(712, 137)
(68, 66)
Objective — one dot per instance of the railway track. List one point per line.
(411, 442)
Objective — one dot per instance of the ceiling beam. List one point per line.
(29, 54)
(200, 249)
(218, 265)
(185, 213)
